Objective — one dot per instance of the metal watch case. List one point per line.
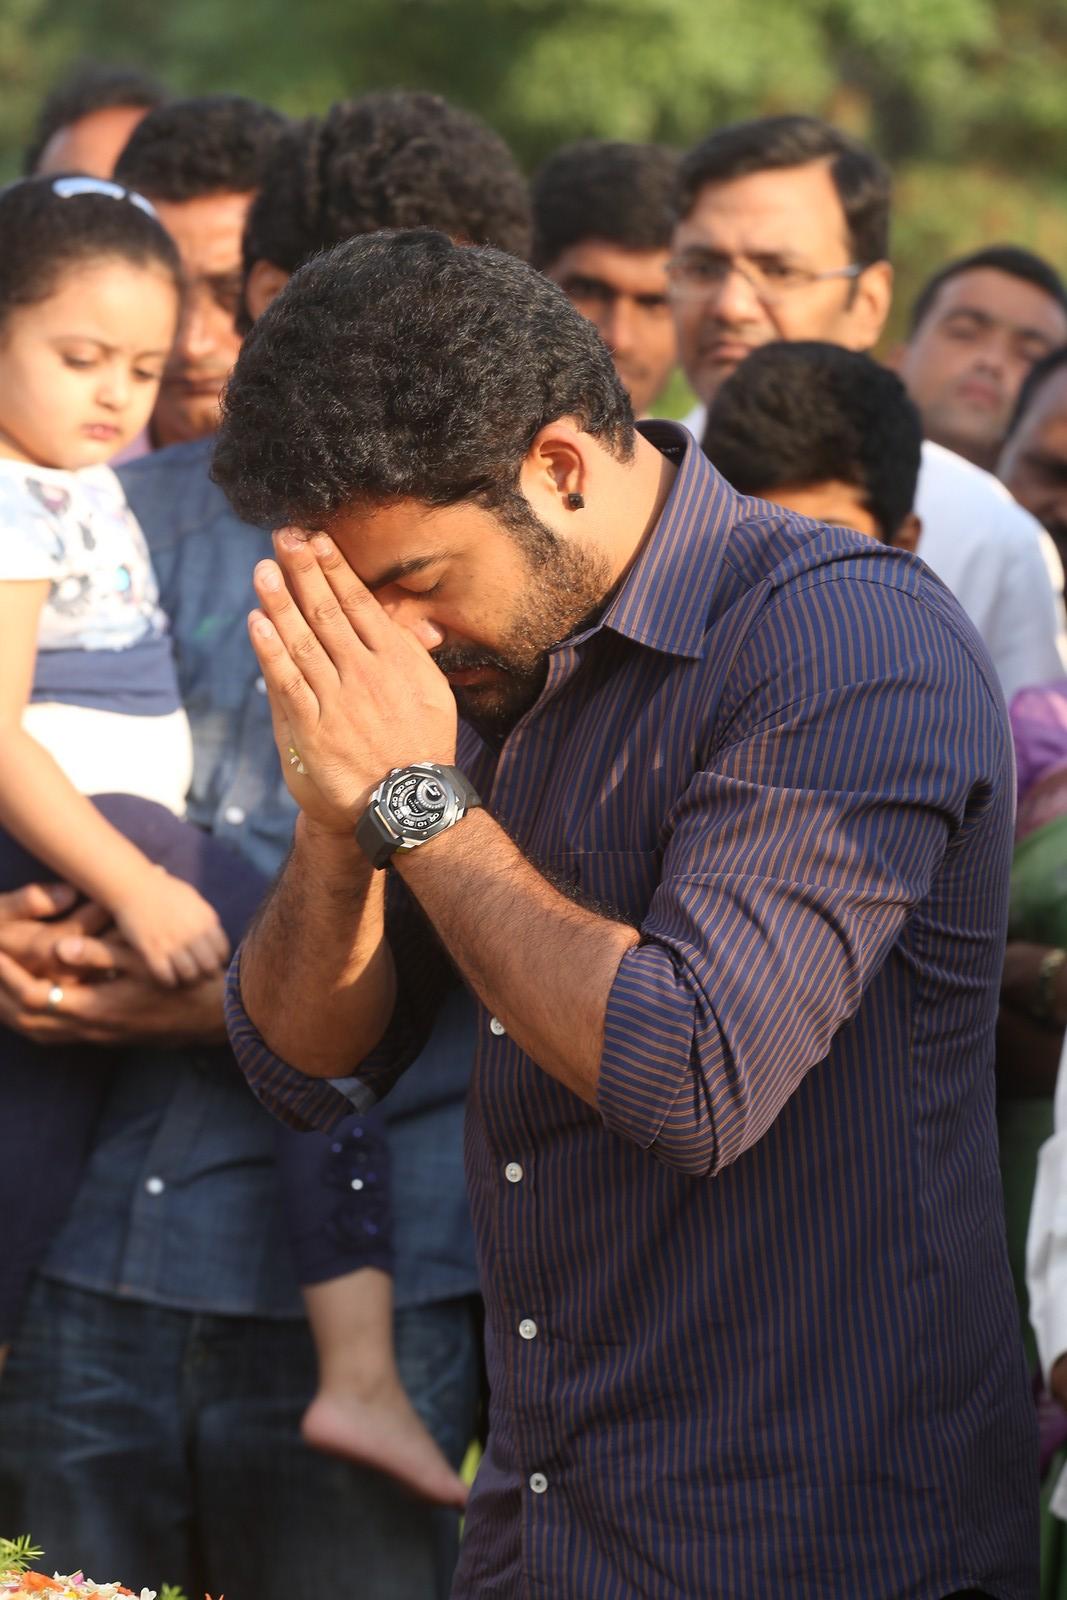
(411, 805)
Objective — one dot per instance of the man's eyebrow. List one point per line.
(990, 319)
(985, 319)
(404, 569)
(230, 278)
(587, 280)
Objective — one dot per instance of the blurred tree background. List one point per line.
(965, 98)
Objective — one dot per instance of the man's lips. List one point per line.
(468, 677)
(977, 393)
(101, 430)
(194, 386)
(721, 351)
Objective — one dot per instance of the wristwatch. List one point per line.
(411, 805)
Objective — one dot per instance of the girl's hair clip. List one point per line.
(70, 188)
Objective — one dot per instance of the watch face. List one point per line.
(418, 802)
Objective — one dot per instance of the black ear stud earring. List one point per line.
(575, 501)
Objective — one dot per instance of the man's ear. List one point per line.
(556, 463)
(264, 282)
(908, 534)
(871, 301)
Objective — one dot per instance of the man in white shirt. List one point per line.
(783, 234)
(977, 327)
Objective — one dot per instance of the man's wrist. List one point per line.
(332, 843)
(450, 846)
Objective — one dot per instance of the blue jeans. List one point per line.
(155, 1446)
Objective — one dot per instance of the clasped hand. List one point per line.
(108, 996)
(352, 693)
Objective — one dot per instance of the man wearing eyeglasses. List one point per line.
(784, 234)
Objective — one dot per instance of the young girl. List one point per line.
(89, 706)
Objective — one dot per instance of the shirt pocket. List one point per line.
(617, 883)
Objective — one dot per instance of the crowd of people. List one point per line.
(666, 1118)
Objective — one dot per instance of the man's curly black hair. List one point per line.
(396, 160)
(402, 365)
(625, 194)
(90, 86)
(215, 144)
(801, 413)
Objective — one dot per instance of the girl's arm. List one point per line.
(174, 929)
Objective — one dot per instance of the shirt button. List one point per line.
(513, 1172)
(528, 1328)
(155, 1185)
(261, 685)
(357, 1184)
(497, 1027)
(234, 815)
(538, 1482)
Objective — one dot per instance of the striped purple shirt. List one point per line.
(750, 1325)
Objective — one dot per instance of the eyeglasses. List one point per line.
(70, 188)
(699, 274)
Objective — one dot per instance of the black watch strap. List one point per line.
(379, 842)
(464, 788)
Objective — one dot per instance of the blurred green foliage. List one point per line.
(964, 97)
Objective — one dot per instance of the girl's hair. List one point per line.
(49, 225)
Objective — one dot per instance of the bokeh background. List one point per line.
(967, 99)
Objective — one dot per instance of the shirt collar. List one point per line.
(666, 598)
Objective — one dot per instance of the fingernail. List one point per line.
(60, 894)
(262, 628)
(290, 540)
(267, 575)
(321, 545)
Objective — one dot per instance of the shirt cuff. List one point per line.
(310, 1104)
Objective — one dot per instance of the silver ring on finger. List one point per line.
(55, 998)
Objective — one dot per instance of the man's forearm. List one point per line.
(317, 978)
(541, 963)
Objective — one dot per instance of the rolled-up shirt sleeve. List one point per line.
(424, 977)
(791, 862)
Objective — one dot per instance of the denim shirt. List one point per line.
(180, 1204)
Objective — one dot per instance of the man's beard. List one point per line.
(567, 587)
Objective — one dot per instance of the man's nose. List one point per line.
(411, 613)
(617, 329)
(734, 299)
(992, 357)
(199, 329)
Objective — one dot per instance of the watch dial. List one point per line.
(417, 802)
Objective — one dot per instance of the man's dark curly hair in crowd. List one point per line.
(625, 194)
(801, 413)
(215, 144)
(396, 160)
(405, 366)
